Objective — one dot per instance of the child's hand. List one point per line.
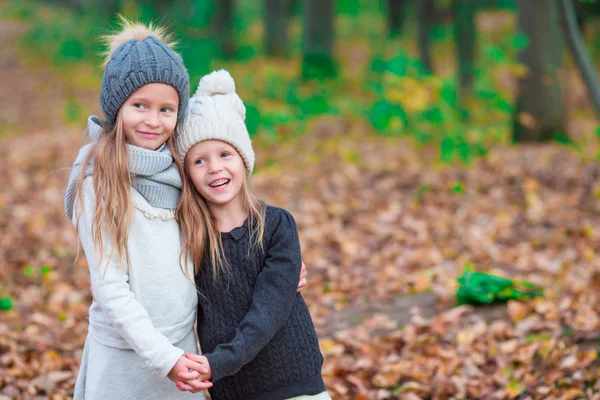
(183, 365)
(302, 283)
(197, 379)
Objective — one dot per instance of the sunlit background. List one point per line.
(434, 153)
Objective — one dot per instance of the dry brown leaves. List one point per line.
(377, 220)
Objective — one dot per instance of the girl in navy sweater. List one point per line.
(255, 331)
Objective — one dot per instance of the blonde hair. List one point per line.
(200, 230)
(112, 187)
(110, 158)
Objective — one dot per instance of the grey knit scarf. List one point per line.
(154, 173)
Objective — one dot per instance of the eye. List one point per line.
(199, 161)
(139, 105)
(167, 110)
(225, 154)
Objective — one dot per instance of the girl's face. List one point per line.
(217, 171)
(149, 115)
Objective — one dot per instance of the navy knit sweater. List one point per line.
(254, 328)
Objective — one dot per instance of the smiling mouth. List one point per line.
(219, 183)
(151, 134)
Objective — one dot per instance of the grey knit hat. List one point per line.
(136, 63)
(216, 112)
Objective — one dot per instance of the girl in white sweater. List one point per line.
(121, 195)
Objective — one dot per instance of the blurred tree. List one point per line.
(318, 39)
(426, 17)
(539, 112)
(396, 12)
(107, 8)
(223, 27)
(586, 11)
(580, 55)
(464, 37)
(277, 15)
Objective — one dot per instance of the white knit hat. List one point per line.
(215, 112)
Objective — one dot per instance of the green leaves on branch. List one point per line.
(484, 288)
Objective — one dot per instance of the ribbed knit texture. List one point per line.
(138, 63)
(255, 330)
(215, 112)
(154, 173)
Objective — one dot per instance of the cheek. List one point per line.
(170, 126)
(130, 120)
(241, 167)
(196, 178)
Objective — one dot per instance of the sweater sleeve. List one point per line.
(272, 300)
(110, 285)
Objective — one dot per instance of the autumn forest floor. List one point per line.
(384, 237)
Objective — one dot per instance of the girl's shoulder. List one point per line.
(277, 218)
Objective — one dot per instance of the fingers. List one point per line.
(183, 386)
(301, 285)
(195, 357)
(194, 386)
(188, 376)
(200, 367)
(303, 271)
(199, 385)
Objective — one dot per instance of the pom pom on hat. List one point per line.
(217, 82)
(131, 30)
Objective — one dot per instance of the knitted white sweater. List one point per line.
(149, 305)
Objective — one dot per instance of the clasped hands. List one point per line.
(191, 373)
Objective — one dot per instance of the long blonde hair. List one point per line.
(200, 230)
(112, 187)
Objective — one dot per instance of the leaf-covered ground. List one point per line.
(379, 221)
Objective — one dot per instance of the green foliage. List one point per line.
(318, 66)
(484, 288)
(37, 272)
(393, 92)
(59, 34)
(45, 270)
(426, 107)
(73, 112)
(6, 303)
(29, 271)
(458, 188)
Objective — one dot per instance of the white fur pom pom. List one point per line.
(217, 82)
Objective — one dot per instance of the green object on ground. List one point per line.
(6, 304)
(484, 288)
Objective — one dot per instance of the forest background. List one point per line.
(415, 141)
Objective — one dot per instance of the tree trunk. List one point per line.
(396, 12)
(318, 39)
(277, 15)
(539, 110)
(223, 27)
(580, 56)
(426, 16)
(464, 37)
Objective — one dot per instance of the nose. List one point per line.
(152, 119)
(215, 166)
